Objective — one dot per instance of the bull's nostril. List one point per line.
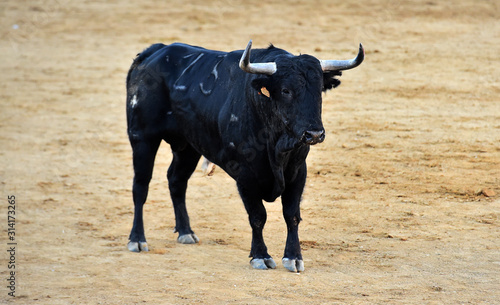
(314, 137)
(322, 137)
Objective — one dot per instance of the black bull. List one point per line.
(254, 115)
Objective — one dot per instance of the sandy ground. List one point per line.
(395, 208)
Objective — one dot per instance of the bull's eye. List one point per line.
(286, 92)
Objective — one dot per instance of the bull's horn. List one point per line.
(338, 65)
(268, 68)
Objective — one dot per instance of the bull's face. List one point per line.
(292, 88)
(293, 94)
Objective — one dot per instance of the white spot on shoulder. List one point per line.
(134, 101)
(180, 87)
(233, 118)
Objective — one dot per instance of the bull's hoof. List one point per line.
(188, 239)
(293, 265)
(134, 246)
(263, 263)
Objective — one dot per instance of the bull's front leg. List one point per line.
(257, 216)
(292, 259)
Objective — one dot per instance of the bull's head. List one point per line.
(294, 85)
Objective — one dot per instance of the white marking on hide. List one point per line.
(134, 101)
(214, 71)
(231, 144)
(191, 64)
(170, 112)
(182, 87)
(206, 92)
(216, 76)
(233, 118)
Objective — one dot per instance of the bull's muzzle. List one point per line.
(313, 137)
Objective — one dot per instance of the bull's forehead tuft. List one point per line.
(301, 70)
(299, 63)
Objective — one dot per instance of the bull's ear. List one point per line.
(260, 84)
(329, 80)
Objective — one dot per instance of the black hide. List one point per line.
(257, 128)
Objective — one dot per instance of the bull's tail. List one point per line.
(142, 56)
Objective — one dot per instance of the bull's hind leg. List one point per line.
(257, 216)
(183, 165)
(144, 153)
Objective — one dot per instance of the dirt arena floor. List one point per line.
(402, 201)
